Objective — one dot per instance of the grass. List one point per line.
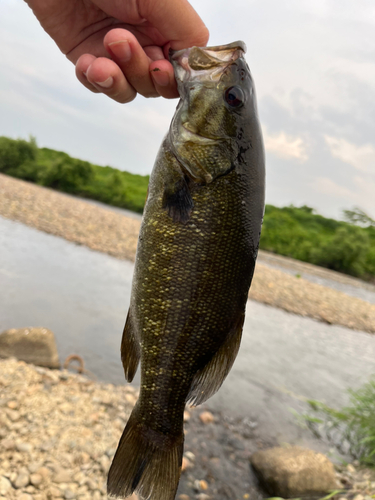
(351, 429)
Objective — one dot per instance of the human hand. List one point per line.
(120, 48)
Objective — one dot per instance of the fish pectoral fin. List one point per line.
(130, 350)
(209, 379)
(177, 200)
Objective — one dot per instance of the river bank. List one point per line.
(59, 432)
(110, 232)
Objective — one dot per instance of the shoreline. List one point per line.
(59, 431)
(108, 231)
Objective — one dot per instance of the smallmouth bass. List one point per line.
(195, 260)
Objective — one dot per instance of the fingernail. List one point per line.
(161, 77)
(121, 50)
(106, 84)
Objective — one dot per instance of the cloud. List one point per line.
(285, 146)
(328, 186)
(361, 157)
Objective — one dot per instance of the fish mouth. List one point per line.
(189, 134)
(195, 62)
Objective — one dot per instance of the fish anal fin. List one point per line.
(209, 379)
(130, 350)
(177, 200)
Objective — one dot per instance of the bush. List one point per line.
(346, 251)
(69, 175)
(17, 156)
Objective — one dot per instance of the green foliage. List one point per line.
(297, 232)
(359, 217)
(69, 175)
(57, 170)
(351, 429)
(302, 234)
(17, 157)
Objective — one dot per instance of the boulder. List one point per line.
(294, 472)
(33, 345)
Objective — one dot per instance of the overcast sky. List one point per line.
(313, 62)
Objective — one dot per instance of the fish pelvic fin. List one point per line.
(209, 379)
(146, 462)
(130, 350)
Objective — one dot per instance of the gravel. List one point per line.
(108, 231)
(73, 425)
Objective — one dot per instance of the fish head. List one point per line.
(217, 105)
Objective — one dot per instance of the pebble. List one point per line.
(63, 476)
(207, 417)
(186, 464)
(5, 485)
(25, 496)
(22, 480)
(79, 450)
(69, 494)
(24, 447)
(36, 479)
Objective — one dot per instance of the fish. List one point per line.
(195, 260)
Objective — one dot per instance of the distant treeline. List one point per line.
(57, 170)
(348, 247)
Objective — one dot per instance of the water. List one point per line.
(83, 297)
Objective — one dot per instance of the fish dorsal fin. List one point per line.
(130, 350)
(209, 379)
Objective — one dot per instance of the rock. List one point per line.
(25, 447)
(25, 496)
(33, 345)
(22, 480)
(206, 417)
(5, 485)
(44, 472)
(203, 484)
(69, 494)
(36, 479)
(62, 476)
(294, 471)
(186, 464)
(8, 444)
(55, 492)
(189, 455)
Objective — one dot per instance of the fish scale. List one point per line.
(195, 261)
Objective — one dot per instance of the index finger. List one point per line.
(177, 21)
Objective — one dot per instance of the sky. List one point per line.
(313, 62)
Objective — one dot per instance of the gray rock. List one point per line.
(294, 472)
(22, 480)
(33, 345)
(69, 494)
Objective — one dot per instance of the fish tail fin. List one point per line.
(146, 462)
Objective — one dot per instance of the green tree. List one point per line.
(69, 175)
(15, 154)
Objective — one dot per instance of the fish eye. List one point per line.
(234, 96)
